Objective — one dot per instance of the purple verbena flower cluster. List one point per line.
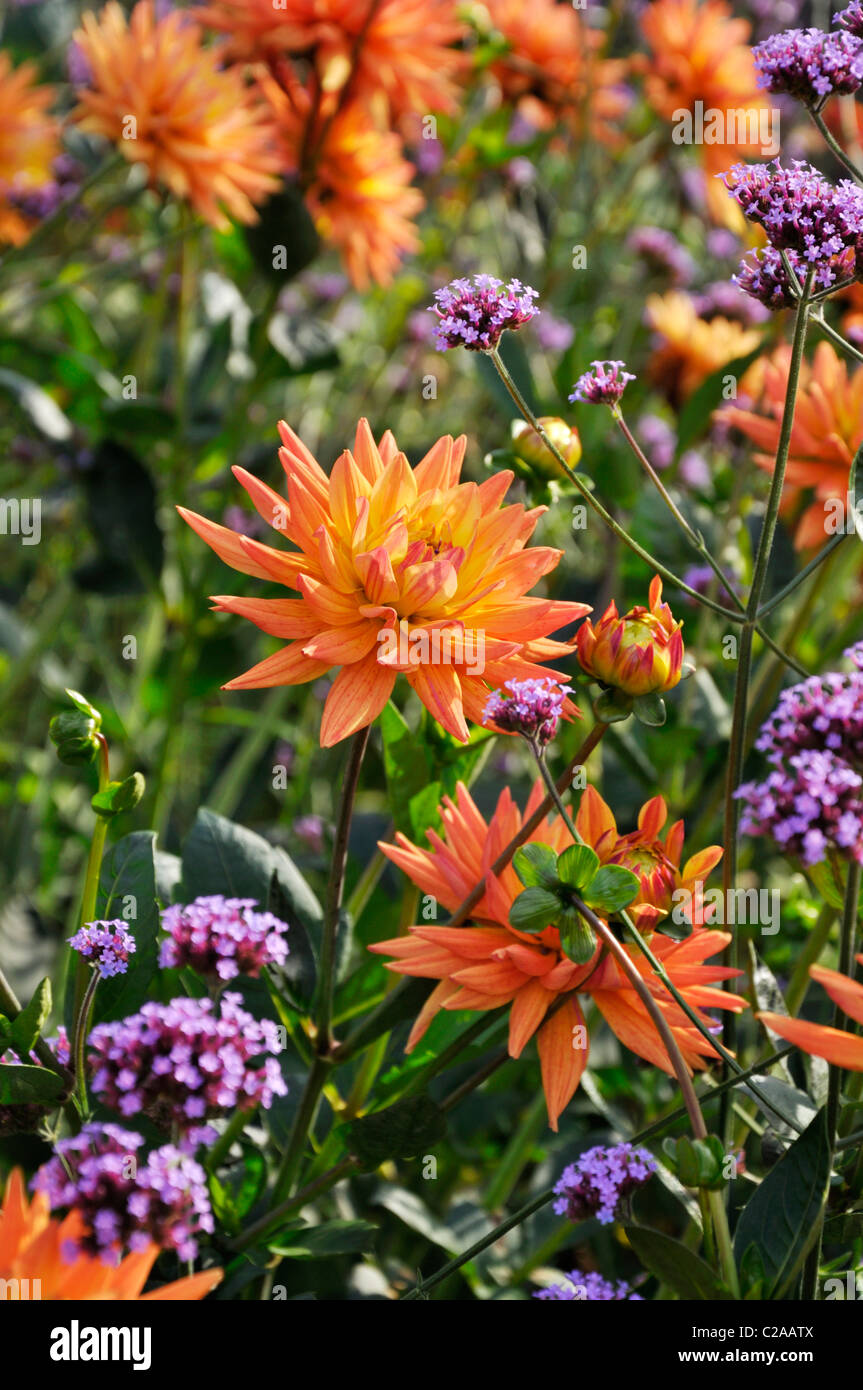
(106, 946)
(474, 315)
(811, 802)
(532, 708)
(851, 18)
(601, 1181)
(222, 937)
(604, 384)
(661, 251)
(44, 200)
(185, 1061)
(818, 224)
(124, 1206)
(810, 64)
(590, 1288)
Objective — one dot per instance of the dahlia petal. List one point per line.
(343, 645)
(439, 688)
(280, 617)
(594, 817)
(561, 1063)
(227, 544)
(844, 991)
(835, 1046)
(357, 696)
(528, 1009)
(290, 666)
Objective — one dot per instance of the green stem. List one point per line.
(833, 143)
(695, 540)
(232, 1131)
(91, 881)
(335, 890)
(594, 503)
(725, 1249)
(80, 1039)
(737, 739)
(303, 1122)
(824, 554)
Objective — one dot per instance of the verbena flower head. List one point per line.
(851, 18)
(763, 277)
(811, 803)
(638, 653)
(124, 1205)
(601, 1182)
(532, 708)
(106, 946)
(222, 937)
(803, 212)
(474, 314)
(590, 1288)
(604, 384)
(810, 64)
(36, 1246)
(185, 1062)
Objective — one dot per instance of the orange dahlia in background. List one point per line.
(401, 50)
(553, 69)
(399, 569)
(29, 142)
(654, 860)
(355, 179)
(32, 1246)
(170, 104)
(491, 965)
(833, 1044)
(700, 53)
(827, 432)
(688, 348)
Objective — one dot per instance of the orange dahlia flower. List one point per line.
(29, 142)
(401, 49)
(639, 653)
(655, 861)
(833, 1044)
(700, 53)
(689, 348)
(170, 104)
(32, 1248)
(356, 181)
(399, 569)
(827, 432)
(490, 965)
(553, 70)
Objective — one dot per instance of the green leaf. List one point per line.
(781, 1217)
(612, 706)
(650, 709)
(283, 241)
(829, 880)
(84, 707)
(29, 1023)
(412, 1126)
(329, 1239)
(576, 937)
(127, 890)
(40, 408)
(577, 866)
(536, 865)
(612, 888)
(407, 765)
(534, 910)
(22, 1085)
(675, 1265)
(118, 796)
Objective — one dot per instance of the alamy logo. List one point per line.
(20, 1290)
(77, 1343)
(712, 125)
(751, 906)
(433, 647)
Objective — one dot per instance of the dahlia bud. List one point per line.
(530, 447)
(640, 653)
